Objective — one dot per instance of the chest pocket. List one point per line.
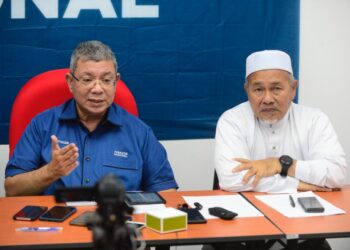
(117, 163)
(126, 169)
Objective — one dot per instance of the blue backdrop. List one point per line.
(182, 59)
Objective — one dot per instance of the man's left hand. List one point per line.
(257, 169)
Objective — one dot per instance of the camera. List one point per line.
(109, 227)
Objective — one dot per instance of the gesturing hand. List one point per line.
(258, 169)
(63, 160)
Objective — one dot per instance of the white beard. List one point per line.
(272, 122)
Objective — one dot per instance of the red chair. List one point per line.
(47, 90)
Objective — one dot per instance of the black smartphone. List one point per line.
(58, 213)
(86, 219)
(194, 216)
(311, 204)
(139, 198)
(83, 219)
(29, 213)
(66, 194)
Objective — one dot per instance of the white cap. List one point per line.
(268, 59)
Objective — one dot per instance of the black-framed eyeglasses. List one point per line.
(90, 81)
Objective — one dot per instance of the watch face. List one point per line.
(286, 160)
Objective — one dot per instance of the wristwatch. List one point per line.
(286, 161)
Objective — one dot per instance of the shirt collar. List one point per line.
(69, 113)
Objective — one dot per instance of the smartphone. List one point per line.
(66, 194)
(83, 219)
(311, 204)
(58, 213)
(194, 216)
(29, 213)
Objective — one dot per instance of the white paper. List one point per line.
(234, 203)
(281, 203)
(81, 203)
(141, 209)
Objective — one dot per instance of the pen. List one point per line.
(292, 203)
(39, 229)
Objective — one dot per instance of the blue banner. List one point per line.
(184, 60)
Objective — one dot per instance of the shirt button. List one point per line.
(274, 148)
(87, 180)
(273, 132)
(87, 158)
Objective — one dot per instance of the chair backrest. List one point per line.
(47, 90)
(216, 185)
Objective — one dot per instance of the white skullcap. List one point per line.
(268, 59)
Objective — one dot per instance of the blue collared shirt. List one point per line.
(122, 145)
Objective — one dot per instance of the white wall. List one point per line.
(324, 62)
(193, 163)
(324, 83)
(4, 152)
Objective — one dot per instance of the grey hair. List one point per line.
(291, 79)
(94, 51)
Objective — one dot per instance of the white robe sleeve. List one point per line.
(324, 164)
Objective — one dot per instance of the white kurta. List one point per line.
(304, 133)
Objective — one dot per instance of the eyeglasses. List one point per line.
(90, 81)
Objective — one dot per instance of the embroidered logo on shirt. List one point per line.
(63, 142)
(121, 154)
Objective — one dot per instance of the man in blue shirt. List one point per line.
(85, 138)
